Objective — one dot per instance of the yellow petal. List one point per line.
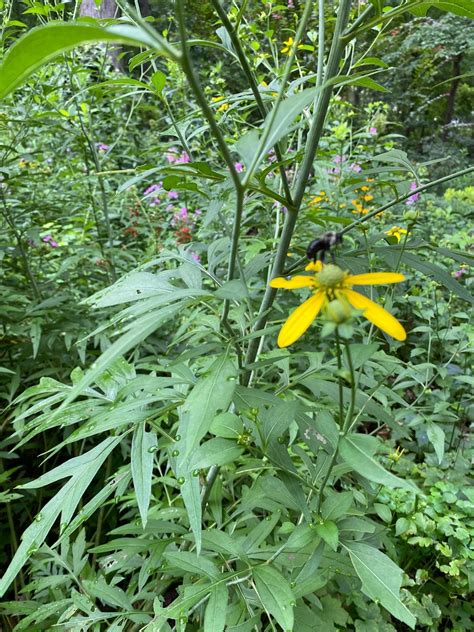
(316, 266)
(375, 278)
(299, 321)
(292, 284)
(376, 314)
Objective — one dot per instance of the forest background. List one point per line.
(167, 461)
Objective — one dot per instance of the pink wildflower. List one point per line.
(172, 154)
(152, 188)
(239, 167)
(173, 195)
(183, 158)
(459, 273)
(373, 131)
(415, 197)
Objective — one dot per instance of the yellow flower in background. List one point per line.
(327, 284)
(287, 45)
(316, 199)
(396, 232)
(359, 207)
(223, 107)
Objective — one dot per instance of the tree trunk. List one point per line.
(107, 9)
(451, 99)
(144, 7)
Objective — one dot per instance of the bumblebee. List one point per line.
(318, 248)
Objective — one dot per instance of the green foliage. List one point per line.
(164, 465)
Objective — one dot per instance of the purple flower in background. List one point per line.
(291, 4)
(373, 131)
(102, 147)
(239, 167)
(195, 257)
(338, 159)
(152, 188)
(170, 207)
(278, 205)
(49, 240)
(415, 197)
(355, 167)
(173, 195)
(197, 212)
(171, 154)
(271, 155)
(276, 16)
(183, 158)
(155, 201)
(182, 213)
(459, 273)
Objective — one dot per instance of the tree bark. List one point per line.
(451, 98)
(107, 9)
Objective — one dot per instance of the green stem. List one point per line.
(312, 145)
(286, 73)
(100, 180)
(346, 425)
(352, 402)
(210, 480)
(196, 88)
(383, 208)
(19, 241)
(339, 379)
(234, 245)
(419, 189)
(320, 68)
(252, 83)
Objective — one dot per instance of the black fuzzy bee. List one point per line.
(322, 245)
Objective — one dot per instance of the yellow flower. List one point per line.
(396, 232)
(223, 107)
(287, 45)
(328, 283)
(368, 197)
(359, 207)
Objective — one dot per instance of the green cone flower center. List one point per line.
(331, 276)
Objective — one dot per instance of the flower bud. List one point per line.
(338, 311)
(411, 216)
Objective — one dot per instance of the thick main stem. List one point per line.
(314, 136)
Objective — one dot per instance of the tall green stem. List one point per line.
(344, 424)
(19, 242)
(235, 39)
(286, 74)
(198, 92)
(314, 136)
